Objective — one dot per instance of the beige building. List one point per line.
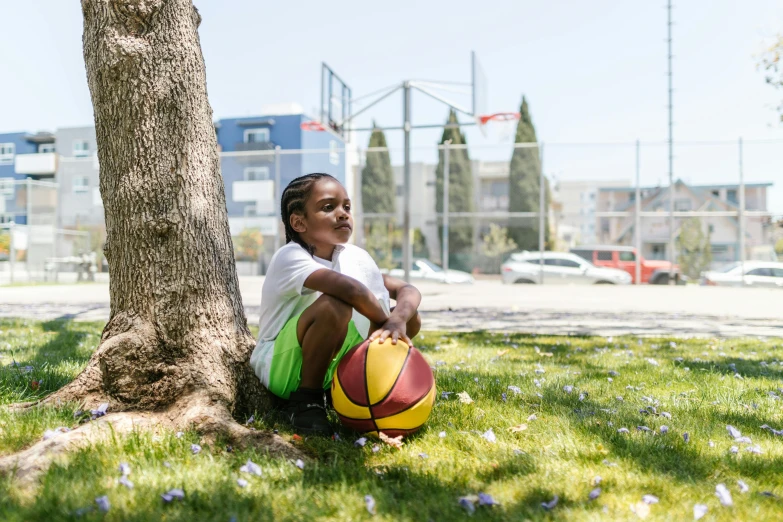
(723, 230)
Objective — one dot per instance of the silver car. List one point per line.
(559, 268)
(759, 274)
(424, 269)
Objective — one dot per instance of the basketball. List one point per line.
(383, 387)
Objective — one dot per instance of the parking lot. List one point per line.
(682, 311)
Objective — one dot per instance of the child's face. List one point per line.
(328, 220)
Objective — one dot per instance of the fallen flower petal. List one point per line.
(125, 482)
(252, 468)
(103, 503)
(464, 398)
(299, 463)
(242, 483)
(489, 435)
(594, 494)
(650, 499)
(551, 504)
(195, 448)
(486, 500)
(724, 495)
(369, 503)
(734, 433)
(699, 510)
(360, 442)
(467, 505)
(744, 488)
(173, 494)
(124, 468)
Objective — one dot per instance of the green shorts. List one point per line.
(285, 369)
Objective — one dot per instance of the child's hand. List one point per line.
(394, 328)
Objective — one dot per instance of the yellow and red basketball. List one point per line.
(384, 387)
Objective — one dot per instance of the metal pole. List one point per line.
(29, 205)
(671, 151)
(278, 193)
(446, 174)
(12, 252)
(638, 222)
(406, 214)
(359, 237)
(541, 214)
(741, 213)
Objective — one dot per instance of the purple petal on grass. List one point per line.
(594, 494)
(650, 499)
(699, 510)
(489, 436)
(664, 429)
(734, 433)
(568, 388)
(518, 451)
(167, 463)
(173, 494)
(360, 442)
(299, 463)
(376, 448)
(487, 500)
(369, 503)
(101, 411)
(551, 504)
(251, 419)
(531, 417)
(623, 430)
(125, 482)
(743, 440)
(179, 434)
(195, 448)
(744, 488)
(103, 503)
(252, 468)
(643, 428)
(666, 414)
(445, 395)
(242, 483)
(423, 456)
(515, 389)
(124, 469)
(442, 434)
(734, 449)
(686, 437)
(711, 444)
(503, 397)
(724, 495)
(467, 505)
(754, 449)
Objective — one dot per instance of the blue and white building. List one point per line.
(253, 149)
(24, 156)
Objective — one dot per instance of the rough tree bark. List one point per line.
(175, 350)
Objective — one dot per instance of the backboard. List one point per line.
(479, 90)
(335, 101)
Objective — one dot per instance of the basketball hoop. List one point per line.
(316, 126)
(503, 123)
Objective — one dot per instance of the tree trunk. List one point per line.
(175, 351)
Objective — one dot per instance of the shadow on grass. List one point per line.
(729, 366)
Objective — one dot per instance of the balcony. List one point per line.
(36, 164)
(254, 146)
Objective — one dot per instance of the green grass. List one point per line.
(560, 453)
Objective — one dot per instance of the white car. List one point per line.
(559, 268)
(427, 270)
(761, 274)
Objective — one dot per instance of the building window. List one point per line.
(45, 147)
(731, 196)
(682, 205)
(334, 155)
(6, 188)
(257, 135)
(7, 151)
(716, 193)
(251, 210)
(711, 229)
(80, 185)
(257, 174)
(81, 149)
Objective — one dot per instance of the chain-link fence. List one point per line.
(611, 204)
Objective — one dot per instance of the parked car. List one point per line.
(424, 269)
(623, 257)
(558, 268)
(762, 274)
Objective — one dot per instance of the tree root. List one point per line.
(213, 421)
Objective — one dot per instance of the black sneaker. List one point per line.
(306, 413)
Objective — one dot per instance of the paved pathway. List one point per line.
(602, 310)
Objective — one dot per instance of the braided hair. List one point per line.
(293, 201)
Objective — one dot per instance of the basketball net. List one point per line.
(501, 126)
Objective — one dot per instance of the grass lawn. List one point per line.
(567, 396)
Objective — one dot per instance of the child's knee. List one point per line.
(334, 309)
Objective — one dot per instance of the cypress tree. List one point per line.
(460, 196)
(378, 187)
(378, 196)
(524, 185)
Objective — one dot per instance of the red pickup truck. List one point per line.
(624, 258)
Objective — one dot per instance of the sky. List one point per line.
(594, 74)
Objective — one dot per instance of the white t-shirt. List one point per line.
(284, 295)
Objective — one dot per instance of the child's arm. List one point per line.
(408, 300)
(349, 290)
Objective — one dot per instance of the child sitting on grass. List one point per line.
(321, 297)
